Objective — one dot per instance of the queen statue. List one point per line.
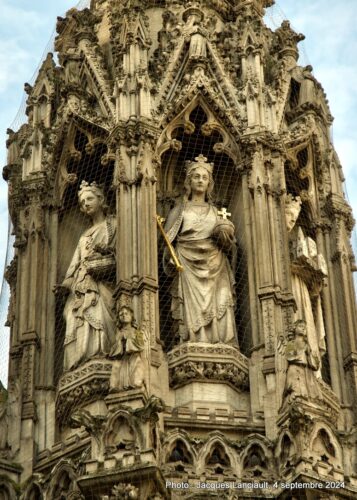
(89, 309)
(203, 297)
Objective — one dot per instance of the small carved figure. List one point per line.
(127, 353)
(71, 64)
(302, 363)
(198, 44)
(308, 271)
(203, 297)
(90, 322)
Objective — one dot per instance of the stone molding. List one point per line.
(202, 362)
(82, 385)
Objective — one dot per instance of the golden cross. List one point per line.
(223, 213)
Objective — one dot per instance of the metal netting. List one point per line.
(84, 162)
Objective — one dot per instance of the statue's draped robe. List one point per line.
(314, 322)
(300, 377)
(203, 293)
(89, 315)
(312, 315)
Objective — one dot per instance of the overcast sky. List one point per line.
(27, 27)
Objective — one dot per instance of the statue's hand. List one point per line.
(223, 235)
(169, 264)
(103, 249)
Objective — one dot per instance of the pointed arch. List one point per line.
(215, 122)
(257, 456)
(218, 455)
(63, 480)
(33, 492)
(326, 445)
(82, 144)
(7, 490)
(254, 460)
(101, 84)
(249, 40)
(175, 436)
(179, 456)
(123, 432)
(184, 80)
(96, 94)
(285, 449)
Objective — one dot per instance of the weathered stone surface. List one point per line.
(240, 368)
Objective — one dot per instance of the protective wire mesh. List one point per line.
(306, 291)
(84, 161)
(19, 120)
(4, 305)
(227, 194)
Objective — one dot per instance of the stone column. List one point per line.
(343, 296)
(36, 339)
(135, 177)
(271, 301)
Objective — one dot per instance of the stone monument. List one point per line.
(182, 305)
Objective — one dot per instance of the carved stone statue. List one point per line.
(308, 271)
(128, 352)
(90, 321)
(203, 296)
(198, 48)
(302, 363)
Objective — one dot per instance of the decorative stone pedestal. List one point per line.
(208, 376)
(125, 448)
(135, 398)
(81, 387)
(311, 425)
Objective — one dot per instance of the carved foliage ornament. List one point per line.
(207, 371)
(123, 491)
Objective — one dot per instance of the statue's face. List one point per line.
(300, 328)
(199, 180)
(90, 203)
(125, 315)
(291, 215)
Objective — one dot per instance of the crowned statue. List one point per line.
(89, 309)
(308, 271)
(203, 298)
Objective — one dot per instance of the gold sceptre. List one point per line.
(177, 263)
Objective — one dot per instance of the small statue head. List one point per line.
(91, 198)
(300, 327)
(126, 316)
(292, 210)
(195, 168)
